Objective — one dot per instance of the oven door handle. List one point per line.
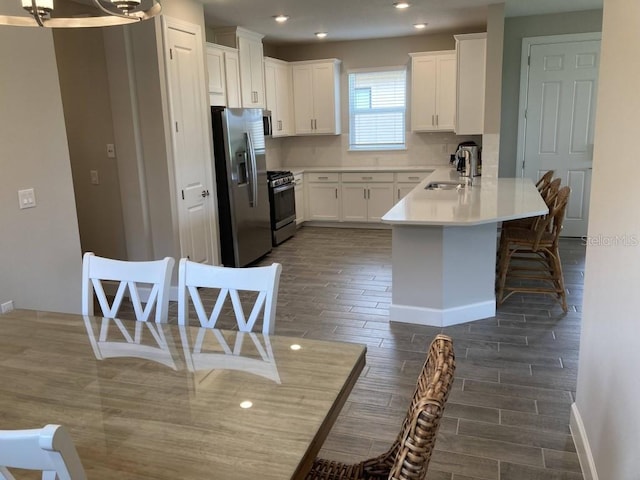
(283, 188)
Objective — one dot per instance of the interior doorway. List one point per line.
(558, 88)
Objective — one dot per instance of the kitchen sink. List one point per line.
(444, 185)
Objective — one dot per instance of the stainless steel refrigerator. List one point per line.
(242, 189)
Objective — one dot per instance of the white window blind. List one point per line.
(377, 104)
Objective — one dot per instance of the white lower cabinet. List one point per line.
(323, 194)
(407, 181)
(366, 197)
(300, 200)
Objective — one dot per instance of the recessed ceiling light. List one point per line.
(420, 26)
(321, 34)
(401, 5)
(295, 346)
(281, 18)
(246, 404)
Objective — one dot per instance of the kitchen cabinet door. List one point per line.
(232, 74)
(316, 97)
(471, 65)
(216, 73)
(403, 189)
(251, 72)
(277, 76)
(433, 91)
(379, 200)
(354, 202)
(324, 201)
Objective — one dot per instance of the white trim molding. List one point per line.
(587, 463)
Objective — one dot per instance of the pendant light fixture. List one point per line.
(109, 12)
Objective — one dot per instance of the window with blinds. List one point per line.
(377, 104)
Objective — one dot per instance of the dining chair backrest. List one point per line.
(544, 180)
(49, 449)
(552, 223)
(229, 281)
(128, 275)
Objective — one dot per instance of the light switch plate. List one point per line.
(27, 198)
(111, 150)
(95, 179)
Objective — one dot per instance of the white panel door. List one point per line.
(190, 135)
(560, 114)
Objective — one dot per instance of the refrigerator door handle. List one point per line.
(253, 174)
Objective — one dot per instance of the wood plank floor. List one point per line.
(508, 415)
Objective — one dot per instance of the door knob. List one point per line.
(205, 193)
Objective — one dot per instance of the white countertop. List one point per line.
(487, 201)
(414, 168)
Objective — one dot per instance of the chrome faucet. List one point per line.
(470, 163)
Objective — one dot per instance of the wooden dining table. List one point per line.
(162, 401)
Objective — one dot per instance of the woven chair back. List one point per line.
(417, 437)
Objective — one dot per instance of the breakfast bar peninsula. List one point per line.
(444, 245)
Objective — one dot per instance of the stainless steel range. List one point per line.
(283, 206)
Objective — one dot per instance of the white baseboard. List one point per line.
(6, 307)
(442, 317)
(581, 441)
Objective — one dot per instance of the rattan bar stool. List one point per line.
(529, 259)
(408, 457)
(548, 193)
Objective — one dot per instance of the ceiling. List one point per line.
(362, 19)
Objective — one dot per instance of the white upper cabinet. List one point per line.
(316, 97)
(471, 62)
(433, 91)
(251, 60)
(277, 78)
(224, 76)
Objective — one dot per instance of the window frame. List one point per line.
(355, 111)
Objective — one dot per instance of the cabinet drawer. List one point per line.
(298, 179)
(411, 177)
(323, 177)
(367, 177)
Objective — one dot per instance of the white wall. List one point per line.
(40, 258)
(608, 386)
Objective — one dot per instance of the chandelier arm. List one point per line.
(36, 13)
(109, 12)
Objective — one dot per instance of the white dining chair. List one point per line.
(229, 281)
(156, 273)
(49, 449)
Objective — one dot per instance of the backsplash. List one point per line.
(333, 150)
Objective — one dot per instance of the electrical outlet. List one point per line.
(95, 179)
(111, 150)
(6, 307)
(27, 198)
